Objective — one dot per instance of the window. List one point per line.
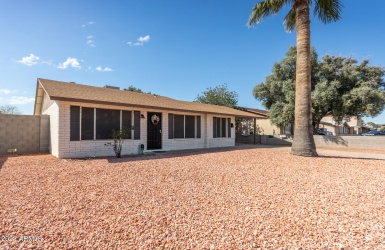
(178, 126)
(127, 121)
(106, 121)
(74, 123)
(98, 123)
(189, 126)
(198, 127)
(87, 123)
(221, 127)
(184, 126)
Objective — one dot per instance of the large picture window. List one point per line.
(221, 127)
(184, 126)
(94, 123)
(106, 121)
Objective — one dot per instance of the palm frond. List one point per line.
(328, 10)
(290, 20)
(264, 9)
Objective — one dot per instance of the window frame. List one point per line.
(221, 127)
(131, 116)
(175, 124)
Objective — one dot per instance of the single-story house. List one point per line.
(82, 118)
(352, 125)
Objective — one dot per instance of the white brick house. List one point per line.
(82, 117)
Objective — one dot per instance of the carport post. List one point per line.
(255, 120)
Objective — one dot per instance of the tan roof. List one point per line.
(68, 91)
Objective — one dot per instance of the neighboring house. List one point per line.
(349, 126)
(82, 118)
(352, 125)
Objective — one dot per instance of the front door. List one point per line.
(154, 131)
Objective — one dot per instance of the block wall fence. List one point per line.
(26, 133)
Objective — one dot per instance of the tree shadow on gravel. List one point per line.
(181, 153)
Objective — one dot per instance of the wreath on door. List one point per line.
(155, 119)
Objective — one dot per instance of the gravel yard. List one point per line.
(240, 199)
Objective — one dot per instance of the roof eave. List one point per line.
(38, 98)
(58, 98)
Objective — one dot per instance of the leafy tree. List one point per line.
(134, 89)
(372, 124)
(9, 109)
(278, 92)
(220, 95)
(340, 86)
(137, 90)
(299, 18)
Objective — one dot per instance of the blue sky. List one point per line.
(173, 48)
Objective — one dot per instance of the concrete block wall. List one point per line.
(90, 148)
(26, 133)
(350, 141)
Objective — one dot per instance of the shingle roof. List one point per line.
(68, 91)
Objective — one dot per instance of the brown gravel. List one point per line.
(240, 199)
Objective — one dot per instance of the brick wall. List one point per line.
(26, 133)
(62, 147)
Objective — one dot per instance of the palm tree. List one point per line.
(299, 17)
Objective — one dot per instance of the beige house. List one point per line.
(352, 125)
(349, 126)
(82, 118)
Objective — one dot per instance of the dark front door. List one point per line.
(154, 131)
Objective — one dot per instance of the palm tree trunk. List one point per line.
(303, 142)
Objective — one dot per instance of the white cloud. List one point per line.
(88, 23)
(100, 69)
(140, 41)
(71, 62)
(90, 41)
(5, 91)
(21, 100)
(29, 60)
(144, 39)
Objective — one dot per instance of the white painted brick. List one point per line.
(62, 147)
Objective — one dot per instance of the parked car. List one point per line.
(371, 133)
(382, 132)
(323, 132)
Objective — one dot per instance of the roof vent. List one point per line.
(111, 87)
